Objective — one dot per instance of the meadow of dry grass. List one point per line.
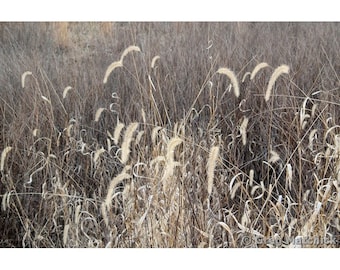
(169, 134)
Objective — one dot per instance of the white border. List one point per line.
(169, 259)
(175, 10)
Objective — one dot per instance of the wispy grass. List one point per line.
(166, 151)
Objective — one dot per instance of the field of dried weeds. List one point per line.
(169, 134)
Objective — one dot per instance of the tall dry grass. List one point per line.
(201, 138)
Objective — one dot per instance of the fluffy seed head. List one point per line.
(312, 136)
(139, 136)
(65, 234)
(35, 132)
(98, 113)
(283, 69)
(231, 75)
(213, 155)
(46, 99)
(308, 227)
(289, 176)
(243, 130)
(245, 76)
(153, 62)
(3, 157)
(68, 88)
(106, 206)
(97, 155)
(154, 134)
(251, 177)
(128, 50)
(117, 131)
(170, 162)
(3, 202)
(274, 157)
(257, 69)
(171, 147)
(111, 68)
(127, 140)
(23, 77)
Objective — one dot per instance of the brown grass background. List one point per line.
(53, 189)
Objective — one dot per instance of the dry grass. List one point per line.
(232, 78)
(161, 153)
(283, 69)
(213, 155)
(62, 34)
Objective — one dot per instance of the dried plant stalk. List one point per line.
(308, 227)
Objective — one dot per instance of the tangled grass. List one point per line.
(161, 153)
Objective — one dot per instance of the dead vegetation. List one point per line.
(201, 135)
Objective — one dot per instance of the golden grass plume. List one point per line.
(213, 155)
(117, 132)
(3, 157)
(245, 76)
(274, 157)
(23, 77)
(106, 205)
(170, 162)
(98, 113)
(46, 99)
(153, 62)
(231, 75)
(68, 88)
(289, 176)
(119, 63)
(128, 50)
(257, 69)
(154, 134)
(171, 148)
(251, 177)
(283, 69)
(111, 68)
(308, 226)
(35, 132)
(127, 140)
(97, 155)
(243, 130)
